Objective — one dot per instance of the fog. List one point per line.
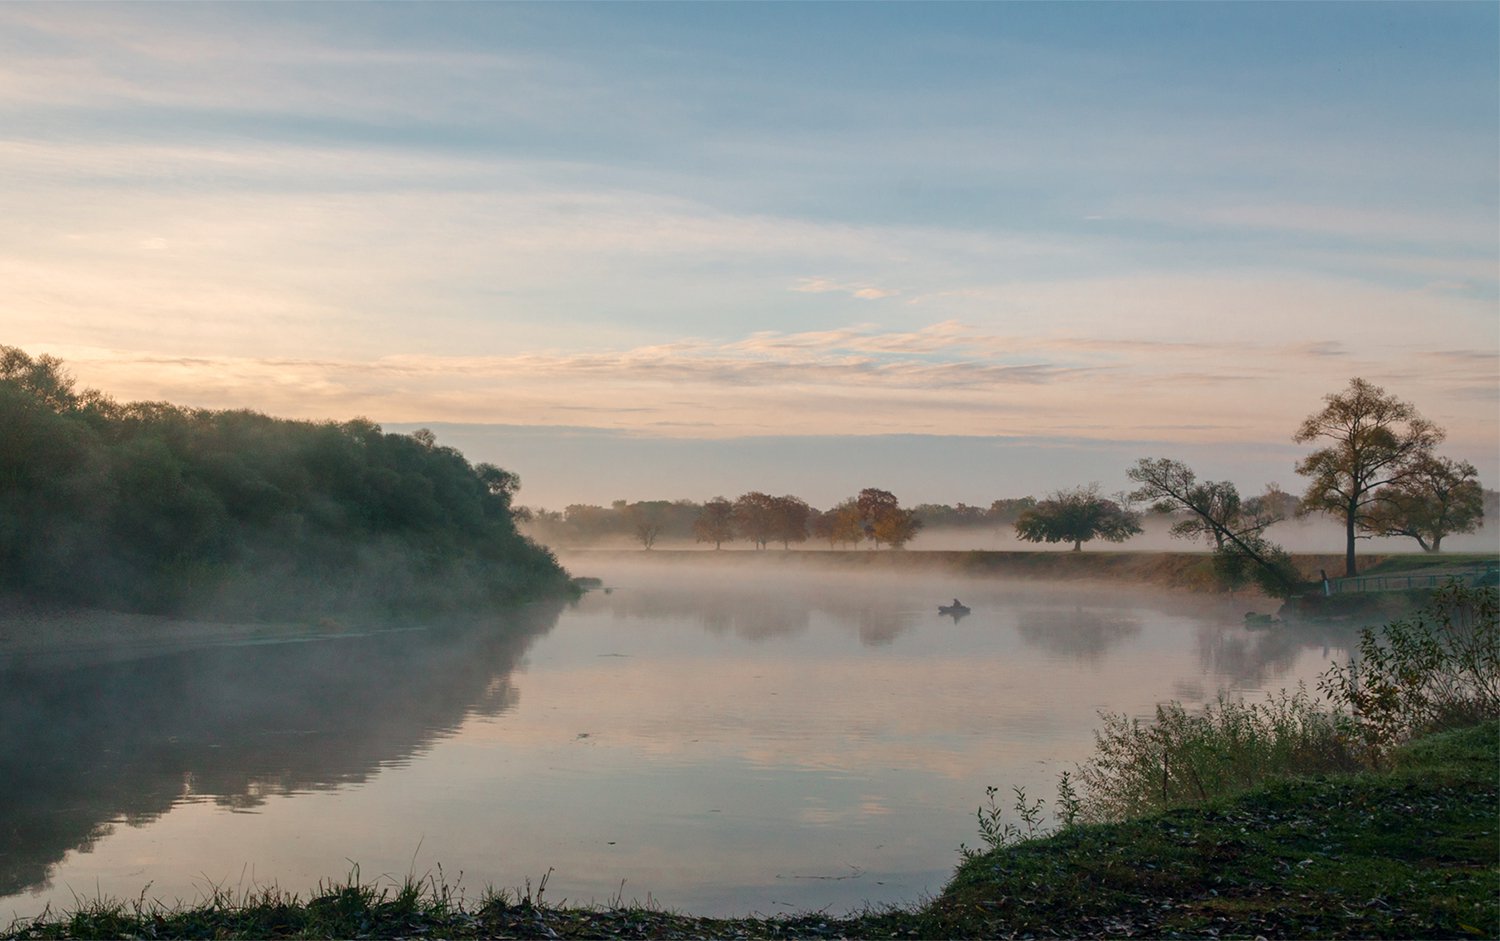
(1313, 535)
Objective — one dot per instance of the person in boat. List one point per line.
(957, 603)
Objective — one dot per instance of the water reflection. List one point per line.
(726, 739)
(1255, 658)
(83, 748)
(1084, 634)
(761, 608)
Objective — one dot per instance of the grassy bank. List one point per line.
(1406, 852)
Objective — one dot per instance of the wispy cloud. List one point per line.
(864, 292)
(945, 378)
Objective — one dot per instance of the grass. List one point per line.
(1413, 851)
(1229, 746)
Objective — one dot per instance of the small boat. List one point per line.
(956, 610)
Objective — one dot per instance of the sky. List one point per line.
(658, 251)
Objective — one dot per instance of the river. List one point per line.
(720, 740)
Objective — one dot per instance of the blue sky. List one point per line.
(700, 246)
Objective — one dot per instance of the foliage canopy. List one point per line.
(148, 506)
(1372, 439)
(1078, 516)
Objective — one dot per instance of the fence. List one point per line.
(1483, 574)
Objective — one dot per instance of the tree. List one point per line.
(1216, 512)
(1374, 440)
(1439, 497)
(896, 527)
(882, 519)
(715, 523)
(755, 518)
(498, 483)
(1078, 516)
(839, 525)
(789, 517)
(646, 520)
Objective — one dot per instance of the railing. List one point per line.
(1486, 573)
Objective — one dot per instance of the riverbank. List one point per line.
(1182, 571)
(1406, 852)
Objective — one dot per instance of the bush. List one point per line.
(1184, 757)
(1438, 669)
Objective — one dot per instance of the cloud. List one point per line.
(1374, 225)
(824, 286)
(946, 378)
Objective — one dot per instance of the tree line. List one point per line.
(1376, 471)
(759, 519)
(147, 506)
(150, 506)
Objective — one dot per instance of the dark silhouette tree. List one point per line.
(1078, 516)
(1373, 440)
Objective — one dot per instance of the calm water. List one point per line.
(723, 740)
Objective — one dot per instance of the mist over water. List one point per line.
(727, 738)
(1313, 535)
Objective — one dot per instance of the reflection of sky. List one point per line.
(730, 770)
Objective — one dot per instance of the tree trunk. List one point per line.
(1349, 517)
(1078, 545)
(1437, 543)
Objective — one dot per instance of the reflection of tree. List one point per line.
(126, 741)
(752, 611)
(724, 610)
(1084, 634)
(1253, 658)
(878, 625)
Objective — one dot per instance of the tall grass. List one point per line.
(1184, 757)
(1438, 669)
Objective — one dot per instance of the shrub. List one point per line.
(1437, 669)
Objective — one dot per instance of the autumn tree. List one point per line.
(839, 525)
(1078, 516)
(896, 527)
(1437, 498)
(715, 522)
(882, 519)
(1372, 440)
